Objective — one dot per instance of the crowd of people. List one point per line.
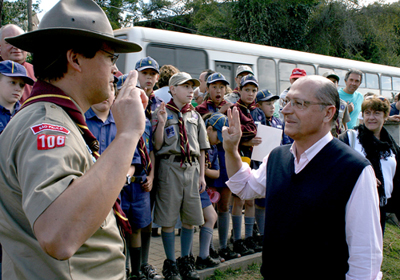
(91, 157)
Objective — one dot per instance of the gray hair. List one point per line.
(354, 71)
(327, 93)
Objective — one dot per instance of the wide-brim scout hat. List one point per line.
(265, 95)
(72, 20)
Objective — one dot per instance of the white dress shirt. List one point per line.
(363, 228)
(163, 93)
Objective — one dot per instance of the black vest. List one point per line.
(305, 213)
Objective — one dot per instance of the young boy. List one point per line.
(216, 88)
(135, 202)
(213, 122)
(148, 74)
(180, 141)
(249, 113)
(12, 83)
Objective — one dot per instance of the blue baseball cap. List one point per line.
(13, 69)
(265, 95)
(218, 121)
(147, 63)
(121, 81)
(249, 79)
(216, 77)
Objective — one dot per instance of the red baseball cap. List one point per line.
(297, 73)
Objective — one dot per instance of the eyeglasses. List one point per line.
(301, 104)
(114, 57)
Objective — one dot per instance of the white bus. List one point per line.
(272, 66)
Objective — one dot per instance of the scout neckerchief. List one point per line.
(249, 128)
(45, 92)
(144, 156)
(148, 108)
(203, 108)
(184, 142)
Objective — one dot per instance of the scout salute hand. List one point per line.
(130, 99)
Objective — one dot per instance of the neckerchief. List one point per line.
(202, 109)
(185, 147)
(249, 128)
(148, 108)
(144, 156)
(45, 92)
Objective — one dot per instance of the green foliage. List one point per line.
(121, 13)
(16, 12)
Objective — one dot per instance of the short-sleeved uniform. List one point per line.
(42, 151)
(134, 201)
(6, 115)
(214, 165)
(103, 131)
(178, 186)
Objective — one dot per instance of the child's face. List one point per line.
(147, 79)
(248, 93)
(212, 136)
(182, 94)
(217, 91)
(11, 89)
(267, 107)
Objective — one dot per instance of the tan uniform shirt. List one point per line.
(195, 128)
(41, 153)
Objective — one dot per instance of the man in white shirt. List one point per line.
(322, 213)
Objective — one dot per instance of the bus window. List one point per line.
(322, 70)
(372, 80)
(192, 61)
(226, 69)
(396, 83)
(386, 82)
(341, 73)
(267, 75)
(285, 70)
(310, 70)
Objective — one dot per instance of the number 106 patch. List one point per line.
(47, 142)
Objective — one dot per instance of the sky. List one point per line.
(46, 5)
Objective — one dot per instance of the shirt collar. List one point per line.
(90, 114)
(310, 153)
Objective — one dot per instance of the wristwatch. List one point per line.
(128, 179)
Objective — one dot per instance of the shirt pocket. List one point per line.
(171, 132)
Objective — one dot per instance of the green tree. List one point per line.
(16, 12)
(121, 13)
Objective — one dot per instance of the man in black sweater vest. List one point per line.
(322, 208)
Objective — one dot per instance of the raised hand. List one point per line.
(233, 133)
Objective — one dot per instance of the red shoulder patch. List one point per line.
(46, 126)
(48, 142)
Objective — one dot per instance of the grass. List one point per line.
(390, 265)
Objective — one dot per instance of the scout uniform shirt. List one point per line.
(42, 151)
(196, 133)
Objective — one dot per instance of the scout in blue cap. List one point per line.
(12, 83)
(214, 125)
(148, 73)
(216, 89)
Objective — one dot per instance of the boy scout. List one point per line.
(12, 83)
(56, 218)
(180, 141)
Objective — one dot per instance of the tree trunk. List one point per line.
(1, 11)
(29, 4)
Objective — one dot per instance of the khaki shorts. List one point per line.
(178, 193)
